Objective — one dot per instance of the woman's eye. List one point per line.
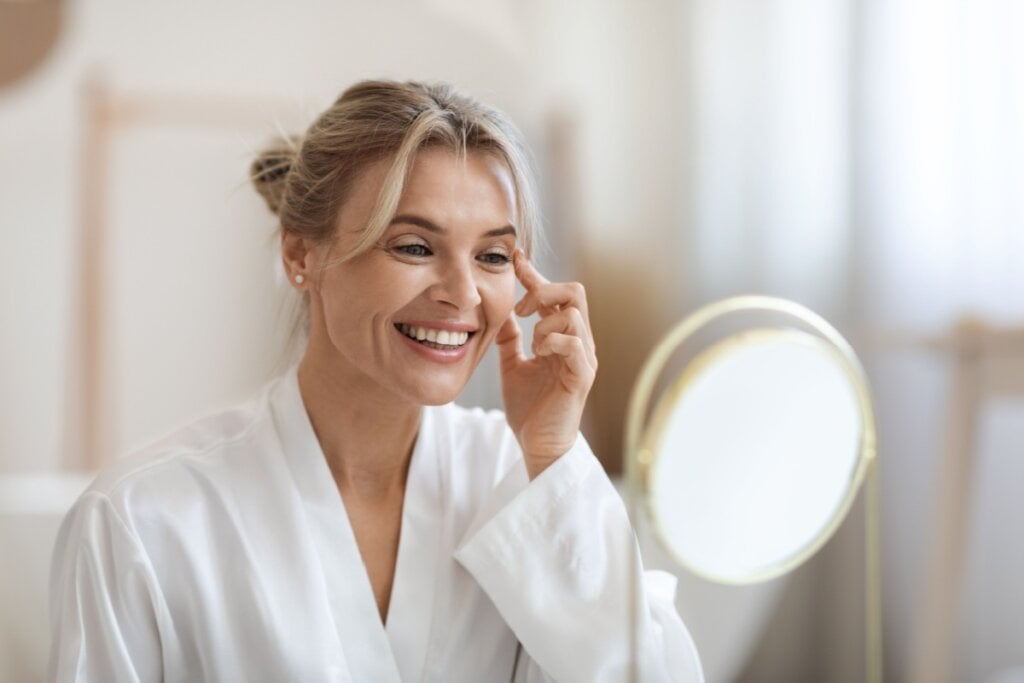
(494, 258)
(414, 249)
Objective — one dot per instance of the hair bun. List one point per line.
(269, 170)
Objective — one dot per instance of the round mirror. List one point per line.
(754, 452)
(756, 455)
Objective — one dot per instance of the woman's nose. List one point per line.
(456, 285)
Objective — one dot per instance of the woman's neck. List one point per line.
(366, 434)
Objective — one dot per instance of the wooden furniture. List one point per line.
(988, 362)
(106, 113)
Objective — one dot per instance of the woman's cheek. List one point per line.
(506, 296)
(498, 294)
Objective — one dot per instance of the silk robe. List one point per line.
(224, 553)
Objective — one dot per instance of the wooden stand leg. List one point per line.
(933, 657)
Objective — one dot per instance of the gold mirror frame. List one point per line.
(654, 436)
(640, 453)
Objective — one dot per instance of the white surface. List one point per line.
(31, 507)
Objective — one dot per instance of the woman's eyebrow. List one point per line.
(427, 224)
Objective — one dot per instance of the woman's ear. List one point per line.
(296, 252)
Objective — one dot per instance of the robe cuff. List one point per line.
(557, 558)
(517, 500)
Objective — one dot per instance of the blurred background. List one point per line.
(863, 157)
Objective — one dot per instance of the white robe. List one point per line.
(224, 553)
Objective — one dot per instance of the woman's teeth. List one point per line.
(434, 337)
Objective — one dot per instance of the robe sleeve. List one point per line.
(102, 590)
(557, 557)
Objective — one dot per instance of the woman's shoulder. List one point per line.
(203, 444)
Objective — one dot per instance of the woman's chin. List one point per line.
(438, 395)
(439, 402)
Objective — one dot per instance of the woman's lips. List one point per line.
(453, 355)
(432, 335)
(450, 325)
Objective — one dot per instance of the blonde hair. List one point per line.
(306, 180)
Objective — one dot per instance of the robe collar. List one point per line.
(373, 652)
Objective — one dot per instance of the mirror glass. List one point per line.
(754, 454)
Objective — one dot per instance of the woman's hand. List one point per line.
(544, 396)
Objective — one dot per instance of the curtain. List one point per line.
(939, 192)
(867, 159)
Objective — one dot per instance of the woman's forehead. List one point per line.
(471, 193)
(437, 173)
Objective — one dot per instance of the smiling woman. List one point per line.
(350, 522)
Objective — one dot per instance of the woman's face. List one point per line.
(415, 314)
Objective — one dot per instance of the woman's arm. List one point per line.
(558, 559)
(102, 616)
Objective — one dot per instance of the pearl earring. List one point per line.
(299, 279)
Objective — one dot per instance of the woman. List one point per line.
(350, 523)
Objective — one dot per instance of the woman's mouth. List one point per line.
(441, 340)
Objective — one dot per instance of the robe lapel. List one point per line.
(347, 587)
(414, 592)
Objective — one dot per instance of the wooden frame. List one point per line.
(105, 113)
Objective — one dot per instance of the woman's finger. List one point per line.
(552, 297)
(572, 351)
(527, 274)
(510, 343)
(544, 295)
(567, 321)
